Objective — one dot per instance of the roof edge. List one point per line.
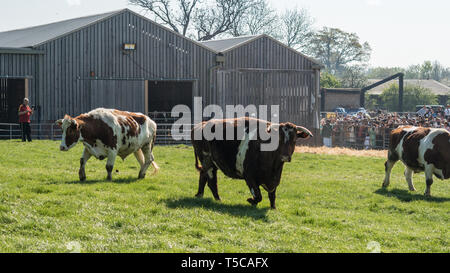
(112, 14)
(20, 50)
(172, 31)
(276, 41)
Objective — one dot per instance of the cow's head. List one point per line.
(70, 133)
(289, 133)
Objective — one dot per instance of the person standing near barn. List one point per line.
(25, 113)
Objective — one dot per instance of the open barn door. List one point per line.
(12, 93)
(164, 95)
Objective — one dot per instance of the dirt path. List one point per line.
(341, 151)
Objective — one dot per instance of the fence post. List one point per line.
(51, 130)
(10, 131)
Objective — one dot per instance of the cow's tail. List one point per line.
(155, 166)
(197, 166)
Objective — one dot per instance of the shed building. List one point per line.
(124, 60)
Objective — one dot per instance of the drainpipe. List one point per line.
(220, 60)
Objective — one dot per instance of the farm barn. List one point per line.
(126, 61)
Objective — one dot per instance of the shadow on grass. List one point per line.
(408, 196)
(124, 180)
(212, 205)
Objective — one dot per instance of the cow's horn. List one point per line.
(303, 132)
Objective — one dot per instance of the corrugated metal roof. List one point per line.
(436, 87)
(227, 44)
(33, 36)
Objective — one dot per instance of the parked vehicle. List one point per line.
(340, 111)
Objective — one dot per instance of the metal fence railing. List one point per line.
(360, 137)
(38, 131)
(53, 132)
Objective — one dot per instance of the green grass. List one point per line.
(325, 204)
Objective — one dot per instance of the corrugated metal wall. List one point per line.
(62, 83)
(264, 72)
(65, 71)
(20, 66)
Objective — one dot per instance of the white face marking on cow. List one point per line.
(242, 151)
(65, 124)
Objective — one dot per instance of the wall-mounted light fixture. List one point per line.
(129, 47)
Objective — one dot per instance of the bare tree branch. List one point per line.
(211, 21)
(176, 16)
(296, 28)
(260, 18)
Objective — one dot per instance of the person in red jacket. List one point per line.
(25, 113)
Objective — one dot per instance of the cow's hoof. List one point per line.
(427, 195)
(199, 195)
(273, 208)
(82, 179)
(412, 189)
(218, 199)
(109, 179)
(252, 202)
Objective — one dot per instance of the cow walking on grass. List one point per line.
(108, 133)
(420, 149)
(242, 157)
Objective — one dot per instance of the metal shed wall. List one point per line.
(65, 81)
(265, 72)
(14, 65)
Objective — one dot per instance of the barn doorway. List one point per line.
(12, 93)
(164, 95)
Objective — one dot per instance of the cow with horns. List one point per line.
(108, 133)
(420, 149)
(242, 157)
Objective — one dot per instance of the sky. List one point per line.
(400, 32)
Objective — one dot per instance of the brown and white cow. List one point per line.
(420, 149)
(108, 133)
(242, 158)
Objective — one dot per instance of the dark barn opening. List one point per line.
(164, 95)
(12, 93)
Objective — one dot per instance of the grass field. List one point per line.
(326, 203)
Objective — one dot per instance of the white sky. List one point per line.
(400, 32)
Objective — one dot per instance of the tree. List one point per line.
(260, 18)
(413, 72)
(202, 19)
(383, 72)
(353, 77)
(328, 80)
(178, 18)
(426, 69)
(336, 48)
(220, 18)
(295, 28)
(412, 96)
